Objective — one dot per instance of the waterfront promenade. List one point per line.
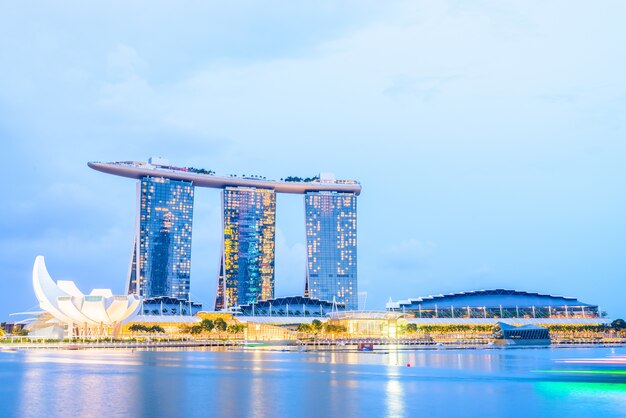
(295, 345)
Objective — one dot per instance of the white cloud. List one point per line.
(409, 254)
(124, 62)
(476, 119)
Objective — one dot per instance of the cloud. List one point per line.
(467, 122)
(123, 62)
(423, 88)
(410, 254)
(126, 91)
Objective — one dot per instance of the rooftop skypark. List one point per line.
(208, 178)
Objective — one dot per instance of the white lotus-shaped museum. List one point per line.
(66, 303)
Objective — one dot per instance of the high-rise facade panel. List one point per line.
(249, 226)
(331, 247)
(161, 259)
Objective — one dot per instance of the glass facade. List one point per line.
(161, 259)
(331, 247)
(247, 273)
(165, 305)
(495, 303)
(291, 306)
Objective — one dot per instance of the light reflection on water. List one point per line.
(231, 383)
(394, 398)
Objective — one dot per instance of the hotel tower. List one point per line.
(161, 258)
(331, 247)
(247, 262)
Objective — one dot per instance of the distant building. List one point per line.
(331, 247)
(291, 306)
(496, 303)
(525, 335)
(161, 257)
(369, 324)
(165, 305)
(247, 265)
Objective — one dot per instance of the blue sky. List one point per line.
(489, 136)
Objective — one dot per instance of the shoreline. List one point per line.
(284, 346)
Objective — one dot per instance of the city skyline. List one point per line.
(454, 169)
(161, 258)
(489, 137)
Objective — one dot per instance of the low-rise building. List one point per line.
(489, 306)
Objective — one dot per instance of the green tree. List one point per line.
(304, 328)
(316, 325)
(157, 328)
(334, 328)
(220, 324)
(207, 325)
(235, 328)
(618, 324)
(196, 329)
(138, 328)
(411, 328)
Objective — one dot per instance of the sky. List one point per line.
(489, 136)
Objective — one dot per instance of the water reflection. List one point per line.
(51, 386)
(232, 383)
(604, 399)
(394, 399)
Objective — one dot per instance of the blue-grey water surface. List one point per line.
(262, 383)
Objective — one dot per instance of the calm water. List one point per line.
(443, 383)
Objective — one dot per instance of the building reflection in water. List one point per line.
(75, 384)
(158, 383)
(270, 383)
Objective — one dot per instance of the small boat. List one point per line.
(365, 347)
